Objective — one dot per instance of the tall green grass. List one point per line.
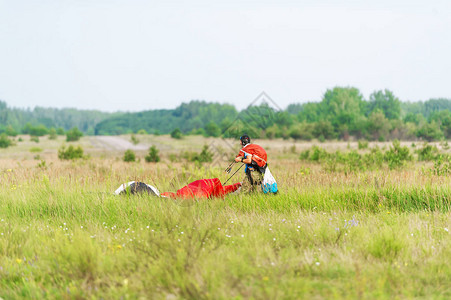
(63, 234)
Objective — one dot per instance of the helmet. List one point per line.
(245, 139)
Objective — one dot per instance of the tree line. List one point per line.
(342, 113)
(40, 120)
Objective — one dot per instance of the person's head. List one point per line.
(245, 139)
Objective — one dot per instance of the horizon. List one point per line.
(193, 100)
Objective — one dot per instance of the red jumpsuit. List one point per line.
(254, 171)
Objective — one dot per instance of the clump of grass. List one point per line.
(362, 144)
(35, 149)
(385, 245)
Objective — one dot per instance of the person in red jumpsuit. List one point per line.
(254, 156)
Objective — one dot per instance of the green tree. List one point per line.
(38, 130)
(443, 118)
(27, 128)
(430, 132)
(310, 112)
(342, 106)
(273, 132)
(386, 102)
(414, 118)
(211, 129)
(10, 131)
(323, 129)
(73, 135)
(60, 131)
(378, 126)
(302, 131)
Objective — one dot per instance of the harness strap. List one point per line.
(254, 155)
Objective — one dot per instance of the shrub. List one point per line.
(445, 145)
(39, 130)
(397, 155)
(134, 139)
(5, 142)
(362, 144)
(176, 134)
(34, 138)
(42, 164)
(70, 153)
(153, 155)
(198, 131)
(129, 156)
(303, 131)
(60, 131)
(35, 149)
(73, 135)
(323, 130)
(203, 156)
(173, 157)
(10, 131)
(52, 134)
(315, 154)
(142, 131)
(442, 165)
(304, 155)
(373, 159)
(211, 129)
(430, 132)
(351, 161)
(273, 132)
(427, 152)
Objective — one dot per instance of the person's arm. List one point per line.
(246, 160)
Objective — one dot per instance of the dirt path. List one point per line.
(115, 143)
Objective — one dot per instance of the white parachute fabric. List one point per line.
(269, 184)
(123, 187)
(137, 187)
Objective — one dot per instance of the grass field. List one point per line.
(364, 234)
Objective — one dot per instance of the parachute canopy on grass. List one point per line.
(134, 187)
(203, 188)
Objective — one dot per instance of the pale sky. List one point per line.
(134, 55)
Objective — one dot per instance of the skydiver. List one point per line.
(254, 156)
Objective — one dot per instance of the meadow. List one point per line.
(330, 233)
